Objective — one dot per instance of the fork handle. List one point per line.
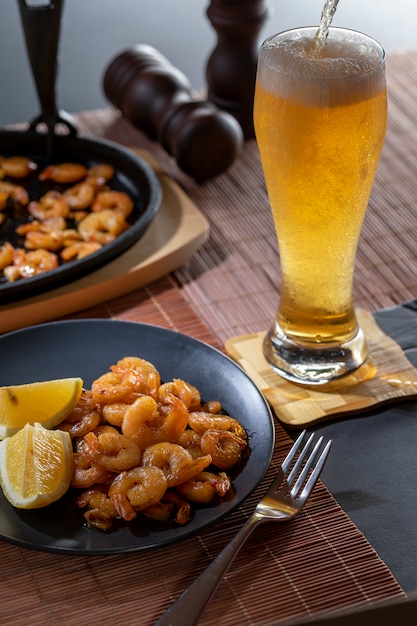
(187, 609)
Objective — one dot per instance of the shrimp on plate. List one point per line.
(113, 387)
(191, 441)
(203, 420)
(177, 464)
(112, 450)
(204, 486)
(187, 393)
(224, 447)
(136, 489)
(100, 509)
(83, 418)
(86, 473)
(147, 422)
(171, 507)
(142, 374)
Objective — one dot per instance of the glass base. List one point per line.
(313, 365)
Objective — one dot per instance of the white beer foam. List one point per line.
(347, 62)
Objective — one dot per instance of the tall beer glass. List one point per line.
(320, 116)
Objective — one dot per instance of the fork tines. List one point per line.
(301, 472)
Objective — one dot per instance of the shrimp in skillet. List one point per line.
(64, 173)
(102, 227)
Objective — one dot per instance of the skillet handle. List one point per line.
(41, 27)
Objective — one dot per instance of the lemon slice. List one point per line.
(35, 466)
(47, 402)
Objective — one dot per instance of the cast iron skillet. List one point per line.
(52, 138)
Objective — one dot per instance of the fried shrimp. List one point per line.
(203, 420)
(101, 172)
(147, 422)
(15, 192)
(36, 262)
(43, 238)
(113, 387)
(137, 489)
(6, 255)
(17, 166)
(204, 486)
(86, 473)
(79, 250)
(81, 195)
(52, 204)
(171, 507)
(112, 451)
(141, 374)
(102, 227)
(145, 447)
(177, 464)
(101, 511)
(191, 441)
(113, 200)
(187, 393)
(224, 447)
(83, 418)
(95, 213)
(64, 172)
(4, 196)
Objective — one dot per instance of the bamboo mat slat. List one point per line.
(319, 561)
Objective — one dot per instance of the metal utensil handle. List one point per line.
(42, 26)
(187, 609)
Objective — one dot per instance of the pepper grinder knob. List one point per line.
(157, 98)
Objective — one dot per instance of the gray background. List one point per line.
(95, 31)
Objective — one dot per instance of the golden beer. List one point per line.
(320, 121)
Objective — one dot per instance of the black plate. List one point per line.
(87, 348)
(133, 176)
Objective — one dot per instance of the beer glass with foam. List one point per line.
(320, 115)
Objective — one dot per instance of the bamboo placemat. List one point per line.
(233, 281)
(386, 376)
(319, 561)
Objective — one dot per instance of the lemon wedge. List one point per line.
(36, 466)
(47, 402)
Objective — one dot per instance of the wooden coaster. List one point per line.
(176, 232)
(386, 376)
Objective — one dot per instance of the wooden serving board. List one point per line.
(177, 231)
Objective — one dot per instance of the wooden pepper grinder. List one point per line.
(157, 98)
(231, 67)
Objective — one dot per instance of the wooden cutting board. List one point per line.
(178, 229)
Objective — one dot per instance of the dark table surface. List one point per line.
(372, 471)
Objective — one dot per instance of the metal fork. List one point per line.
(283, 500)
